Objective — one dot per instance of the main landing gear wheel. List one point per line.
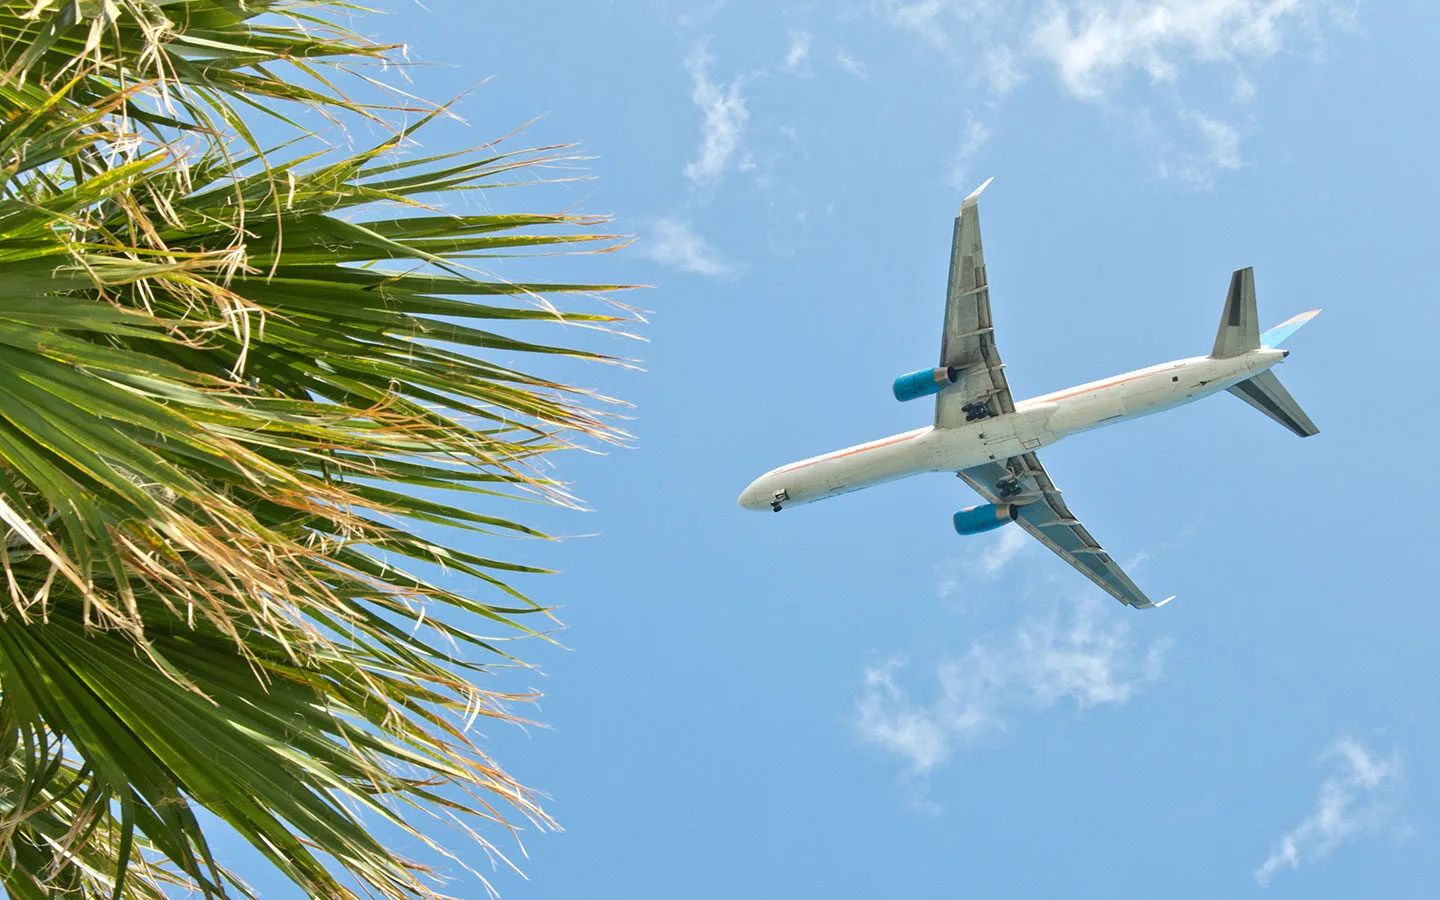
(975, 411)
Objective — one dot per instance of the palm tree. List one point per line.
(248, 400)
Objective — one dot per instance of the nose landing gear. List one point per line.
(778, 498)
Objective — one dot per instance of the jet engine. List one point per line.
(978, 519)
(924, 382)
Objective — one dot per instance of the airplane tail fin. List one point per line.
(1239, 325)
(1240, 333)
(1265, 393)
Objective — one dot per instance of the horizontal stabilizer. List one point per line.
(1265, 393)
(1239, 325)
(1277, 335)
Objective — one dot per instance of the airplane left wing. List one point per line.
(1021, 479)
(968, 342)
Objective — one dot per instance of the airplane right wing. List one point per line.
(1021, 479)
(968, 342)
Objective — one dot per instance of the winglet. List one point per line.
(1165, 601)
(975, 196)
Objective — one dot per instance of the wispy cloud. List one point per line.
(1215, 148)
(1012, 542)
(674, 243)
(852, 65)
(920, 16)
(798, 54)
(1243, 91)
(1087, 660)
(986, 559)
(1360, 797)
(723, 126)
(1002, 70)
(975, 137)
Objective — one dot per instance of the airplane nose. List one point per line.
(750, 498)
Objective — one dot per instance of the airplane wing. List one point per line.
(969, 339)
(1021, 479)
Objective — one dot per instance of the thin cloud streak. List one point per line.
(976, 137)
(1044, 663)
(1361, 797)
(674, 243)
(852, 65)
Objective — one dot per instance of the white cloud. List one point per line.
(976, 136)
(1096, 47)
(1360, 797)
(1088, 661)
(724, 119)
(1094, 42)
(852, 65)
(798, 53)
(676, 245)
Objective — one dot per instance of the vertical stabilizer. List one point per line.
(1240, 325)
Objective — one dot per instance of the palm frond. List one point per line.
(249, 400)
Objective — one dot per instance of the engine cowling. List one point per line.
(924, 382)
(978, 519)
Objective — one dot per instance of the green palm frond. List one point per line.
(249, 399)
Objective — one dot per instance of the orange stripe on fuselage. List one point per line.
(841, 454)
(1096, 387)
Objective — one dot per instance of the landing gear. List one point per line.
(778, 498)
(975, 411)
(1008, 487)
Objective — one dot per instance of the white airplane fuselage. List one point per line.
(1035, 423)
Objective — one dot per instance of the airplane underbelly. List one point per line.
(996, 438)
(999, 439)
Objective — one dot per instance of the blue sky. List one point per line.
(849, 699)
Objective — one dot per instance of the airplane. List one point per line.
(989, 441)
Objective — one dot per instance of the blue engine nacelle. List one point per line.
(924, 382)
(978, 519)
